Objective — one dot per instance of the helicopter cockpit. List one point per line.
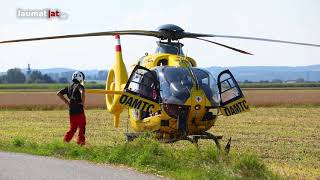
(173, 85)
(176, 84)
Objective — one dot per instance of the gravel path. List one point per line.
(15, 166)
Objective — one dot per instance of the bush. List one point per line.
(19, 142)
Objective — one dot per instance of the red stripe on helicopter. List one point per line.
(118, 48)
(118, 45)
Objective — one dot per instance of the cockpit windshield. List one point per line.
(176, 84)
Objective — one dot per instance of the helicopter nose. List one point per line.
(198, 102)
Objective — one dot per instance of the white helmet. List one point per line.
(78, 75)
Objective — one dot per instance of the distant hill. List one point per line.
(242, 73)
(57, 73)
(55, 70)
(63, 70)
(269, 73)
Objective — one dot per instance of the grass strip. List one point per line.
(148, 155)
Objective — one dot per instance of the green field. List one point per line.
(286, 139)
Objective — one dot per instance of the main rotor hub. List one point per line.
(170, 27)
(170, 32)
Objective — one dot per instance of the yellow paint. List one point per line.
(153, 60)
(148, 124)
(101, 91)
(151, 123)
(117, 78)
(195, 116)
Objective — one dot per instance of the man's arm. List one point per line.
(62, 97)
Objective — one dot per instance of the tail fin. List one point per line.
(117, 79)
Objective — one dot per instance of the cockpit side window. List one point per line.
(209, 85)
(144, 83)
(148, 86)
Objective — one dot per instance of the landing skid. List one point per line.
(192, 138)
(195, 138)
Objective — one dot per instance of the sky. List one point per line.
(292, 20)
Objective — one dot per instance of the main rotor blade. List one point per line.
(107, 33)
(193, 35)
(159, 34)
(229, 47)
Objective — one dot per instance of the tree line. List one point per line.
(15, 75)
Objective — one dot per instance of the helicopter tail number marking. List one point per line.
(235, 107)
(136, 102)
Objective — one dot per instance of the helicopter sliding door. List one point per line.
(232, 100)
(141, 91)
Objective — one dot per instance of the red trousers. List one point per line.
(77, 121)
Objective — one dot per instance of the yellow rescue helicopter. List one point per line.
(166, 92)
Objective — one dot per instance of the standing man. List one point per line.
(76, 95)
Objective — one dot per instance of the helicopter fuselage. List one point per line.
(168, 94)
(187, 96)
